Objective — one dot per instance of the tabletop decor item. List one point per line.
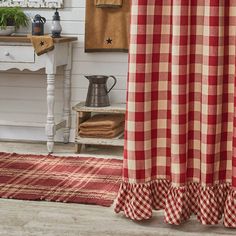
(56, 26)
(38, 25)
(97, 95)
(12, 19)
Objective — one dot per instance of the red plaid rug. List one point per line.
(63, 179)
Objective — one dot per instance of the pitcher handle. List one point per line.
(115, 80)
(43, 20)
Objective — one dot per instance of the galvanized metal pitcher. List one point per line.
(97, 95)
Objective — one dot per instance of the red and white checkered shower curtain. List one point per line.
(180, 138)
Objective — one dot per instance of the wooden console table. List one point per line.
(17, 52)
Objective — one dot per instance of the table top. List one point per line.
(113, 108)
(25, 39)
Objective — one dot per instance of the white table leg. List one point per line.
(50, 126)
(67, 105)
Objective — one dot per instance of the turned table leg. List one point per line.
(50, 125)
(67, 104)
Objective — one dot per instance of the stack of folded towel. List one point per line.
(102, 126)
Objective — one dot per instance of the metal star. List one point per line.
(41, 43)
(109, 41)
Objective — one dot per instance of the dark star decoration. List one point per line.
(109, 41)
(41, 43)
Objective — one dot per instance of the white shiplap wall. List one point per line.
(23, 94)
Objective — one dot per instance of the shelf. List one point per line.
(114, 108)
(83, 113)
(25, 39)
(117, 141)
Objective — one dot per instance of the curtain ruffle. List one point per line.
(208, 203)
(230, 209)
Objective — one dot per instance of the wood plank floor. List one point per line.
(31, 218)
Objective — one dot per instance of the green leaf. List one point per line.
(14, 16)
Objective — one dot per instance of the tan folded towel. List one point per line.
(100, 128)
(103, 121)
(102, 134)
(42, 44)
(108, 3)
(107, 29)
(95, 129)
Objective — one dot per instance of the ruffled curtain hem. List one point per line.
(209, 203)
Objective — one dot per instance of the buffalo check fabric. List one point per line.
(180, 132)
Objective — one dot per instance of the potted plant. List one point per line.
(11, 19)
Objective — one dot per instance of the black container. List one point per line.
(38, 25)
(97, 95)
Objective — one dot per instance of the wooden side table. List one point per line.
(83, 113)
(17, 52)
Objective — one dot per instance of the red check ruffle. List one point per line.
(230, 209)
(179, 203)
